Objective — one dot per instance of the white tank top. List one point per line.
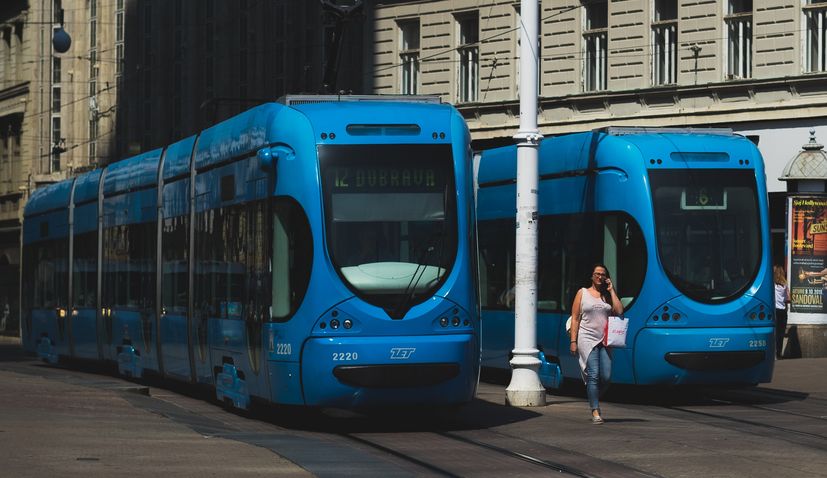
(780, 296)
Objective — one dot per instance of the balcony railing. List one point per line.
(468, 74)
(739, 41)
(410, 72)
(665, 53)
(815, 58)
(594, 75)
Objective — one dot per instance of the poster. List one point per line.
(808, 254)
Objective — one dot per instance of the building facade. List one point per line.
(759, 68)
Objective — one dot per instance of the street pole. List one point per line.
(525, 389)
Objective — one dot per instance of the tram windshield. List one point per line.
(391, 220)
(708, 230)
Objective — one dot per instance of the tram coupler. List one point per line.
(229, 386)
(46, 351)
(129, 362)
(550, 374)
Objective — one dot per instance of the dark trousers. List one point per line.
(780, 330)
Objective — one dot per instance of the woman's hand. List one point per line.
(608, 285)
(573, 348)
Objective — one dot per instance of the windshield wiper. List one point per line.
(419, 272)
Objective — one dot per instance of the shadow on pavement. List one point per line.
(681, 395)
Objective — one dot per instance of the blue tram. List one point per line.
(680, 219)
(317, 251)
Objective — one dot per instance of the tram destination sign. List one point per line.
(362, 179)
(704, 198)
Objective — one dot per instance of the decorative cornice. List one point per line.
(21, 89)
(730, 101)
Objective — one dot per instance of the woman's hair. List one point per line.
(779, 275)
(604, 293)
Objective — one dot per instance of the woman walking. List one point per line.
(589, 317)
(782, 298)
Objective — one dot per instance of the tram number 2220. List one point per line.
(345, 356)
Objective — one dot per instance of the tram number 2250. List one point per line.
(758, 343)
(345, 356)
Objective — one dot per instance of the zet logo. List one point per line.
(402, 353)
(717, 343)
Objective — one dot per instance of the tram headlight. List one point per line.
(455, 321)
(334, 323)
(348, 323)
(443, 321)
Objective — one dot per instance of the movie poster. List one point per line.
(808, 254)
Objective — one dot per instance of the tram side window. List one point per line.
(292, 258)
(569, 245)
(553, 260)
(257, 262)
(129, 265)
(45, 268)
(51, 274)
(220, 256)
(629, 251)
(28, 275)
(175, 280)
(45, 274)
(85, 270)
(496, 263)
(566, 252)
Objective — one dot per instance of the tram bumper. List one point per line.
(354, 372)
(676, 356)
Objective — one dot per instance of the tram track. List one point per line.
(784, 429)
(506, 461)
(487, 453)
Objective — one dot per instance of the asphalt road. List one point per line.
(81, 420)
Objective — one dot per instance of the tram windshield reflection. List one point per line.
(391, 219)
(708, 230)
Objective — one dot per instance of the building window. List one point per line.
(119, 41)
(595, 37)
(739, 39)
(56, 74)
(665, 42)
(469, 59)
(93, 137)
(56, 99)
(119, 60)
(56, 143)
(93, 24)
(815, 15)
(409, 56)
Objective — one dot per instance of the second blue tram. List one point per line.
(314, 252)
(680, 219)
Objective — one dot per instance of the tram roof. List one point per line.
(47, 198)
(86, 186)
(329, 116)
(132, 173)
(177, 158)
(240, 135)
(571, 152)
